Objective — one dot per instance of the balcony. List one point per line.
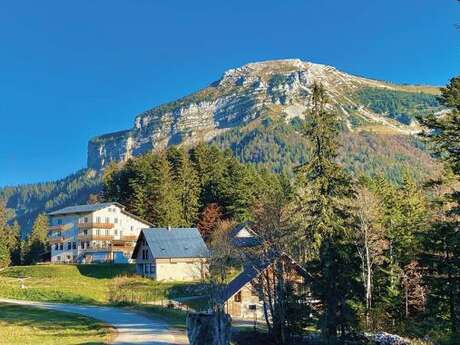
(94, 237)
(94, 225)
(60, 227)
(56, 239)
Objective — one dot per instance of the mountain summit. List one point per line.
(277, 91)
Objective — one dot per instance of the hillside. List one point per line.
(256, 111)
(98, 284)
(27, 201)
(241, 103)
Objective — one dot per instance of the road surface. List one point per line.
(132, 328)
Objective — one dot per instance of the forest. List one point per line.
(381, 256)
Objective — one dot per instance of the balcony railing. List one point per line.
(56, 239)
(60, 227)
(94, 225)
(94, 237)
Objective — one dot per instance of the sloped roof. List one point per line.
(251, 271)
(174, 243)
(83, 208)
(243, 242)
(80, 209)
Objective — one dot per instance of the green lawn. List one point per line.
(21, 325)
(89, 284)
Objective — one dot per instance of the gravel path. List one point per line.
(132, 328)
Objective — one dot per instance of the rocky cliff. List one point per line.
(277, 89)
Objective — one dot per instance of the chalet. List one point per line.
(242, 299)
(171, 254)
(102, 232)
(242, 236)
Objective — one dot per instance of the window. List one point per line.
(132, 228)
(107, 220)
(58, 258)
(69, 245)
(121, 232)
(56, 246)
(115, 220)
(59, 221)
(82, 245)
(98, 220)
(107, 232)
(85, 232)
(86, 219)
(74, 245)
(238, 297)
(116, 232)
(61, 246)
(98, 232)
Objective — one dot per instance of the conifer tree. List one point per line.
(187, 184)
(325, 193)
(5, 257)
(442, 242)
(36, 246)
(162, 203)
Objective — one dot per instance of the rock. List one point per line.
(208, 329)
(242, 95)
(383, 338)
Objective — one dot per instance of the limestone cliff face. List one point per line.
(242, 95)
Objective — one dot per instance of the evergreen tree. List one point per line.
(14, 245)
(187, 184)
(442, 243)
(36, 246)
(326, 191)
(5, 256)
(162, 202)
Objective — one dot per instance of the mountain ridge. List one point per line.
(242, 95)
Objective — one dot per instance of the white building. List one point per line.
(171, 254)
(103, 232)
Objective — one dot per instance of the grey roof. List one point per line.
(84, 208)
(243, 242)
(78, 209)
(174, 243)
(247, 275)
(251, 271)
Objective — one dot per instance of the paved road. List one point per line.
(132, 328)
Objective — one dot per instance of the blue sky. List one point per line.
(70, 70)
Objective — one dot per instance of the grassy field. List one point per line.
(21, 325)
(89, 284)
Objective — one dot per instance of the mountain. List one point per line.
(256, 111)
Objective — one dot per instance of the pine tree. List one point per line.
(5, 257)
(187, 184)
(162, 202)
(14, 245)
(325, 193)
(36, 246)
(442, 242)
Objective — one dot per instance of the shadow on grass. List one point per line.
(106, 271)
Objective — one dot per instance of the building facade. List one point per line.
(243, 297)
(171, 254)
(103, 232)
